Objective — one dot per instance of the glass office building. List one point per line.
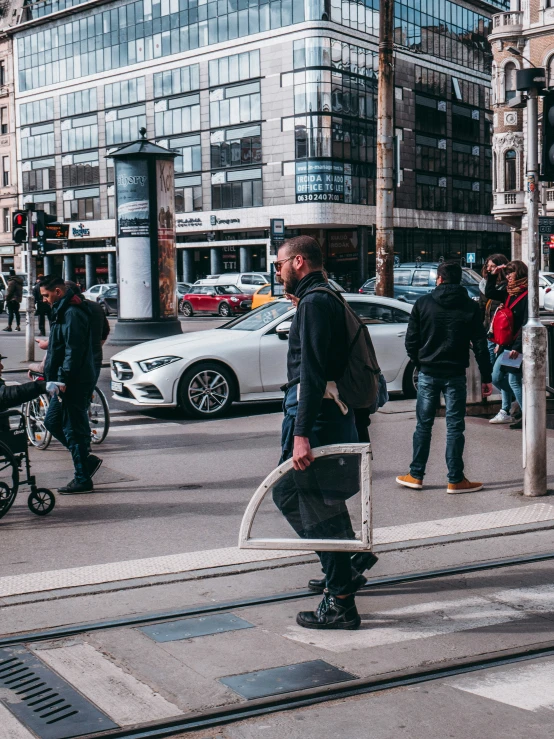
(271, 107)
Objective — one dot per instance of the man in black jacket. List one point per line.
(316, 355)
(69, 361)
(442, 326)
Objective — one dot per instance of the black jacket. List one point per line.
(520, 311)
(442, 326)
(13, 395)
(317, 348)
(69, 356)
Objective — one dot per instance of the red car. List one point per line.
(224, 300)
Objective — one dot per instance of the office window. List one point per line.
(37, 141)
(430, 192)
(83, 206)
(40, 174)
(176, 81)
(430, 81)
(6, 220)
(4, 119)
(80, 169)
(177, 115)
(125, 93)
(37, 112)
(466, 123)
(234, 68)
(466, 196)
(510, 81)
(44, 201)
(430, 115)
(3, 79)
(123, 125)
(233, 105)
(76, 103)
(430, 154)
(190, 153)
(465, 159)
(188, 194)
(5, 171)
(236, 147)
(79, 133)
(237, 189)
(510, 170)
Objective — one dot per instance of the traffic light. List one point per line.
(19, 226)
(547, 174)
(48, 228)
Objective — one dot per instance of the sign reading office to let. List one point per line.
(320, 181)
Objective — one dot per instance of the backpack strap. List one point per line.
(519, 297)
(329, 291)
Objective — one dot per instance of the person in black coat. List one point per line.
(42, 309)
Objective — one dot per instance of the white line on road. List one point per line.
(125, 699)
(37, 582)
(528, 687)
(119, 429)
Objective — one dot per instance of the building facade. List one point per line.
(520, 36)
(272, 109)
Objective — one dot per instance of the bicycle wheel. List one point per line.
(9, 479)
(35, 413)
(99, 416)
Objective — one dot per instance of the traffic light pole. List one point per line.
(534, 332)
(31, 278)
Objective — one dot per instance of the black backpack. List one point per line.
(358, 386)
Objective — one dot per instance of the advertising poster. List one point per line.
(132, 198)
(166, 238)
(133, 242)
(320, 181)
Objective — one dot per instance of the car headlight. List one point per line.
(147, 365)
(234, 300)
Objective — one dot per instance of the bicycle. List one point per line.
(35, 413)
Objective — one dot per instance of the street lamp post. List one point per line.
(532, 81)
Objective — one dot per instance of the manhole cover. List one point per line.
(187, 628)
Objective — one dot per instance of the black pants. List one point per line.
(13, 311)
(67, 421)
(43, 310)
(309, 514)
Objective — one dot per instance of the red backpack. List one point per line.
(503, 322)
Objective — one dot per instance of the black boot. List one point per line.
(332, 613)
(76, 487)
(318, 586)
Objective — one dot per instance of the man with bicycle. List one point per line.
(69, 362)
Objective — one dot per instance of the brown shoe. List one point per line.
(465, 486)
(410, 482)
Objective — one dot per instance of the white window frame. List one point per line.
(364, 544)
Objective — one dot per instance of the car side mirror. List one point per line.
(283, 330)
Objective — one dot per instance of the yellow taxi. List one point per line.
(262, 296)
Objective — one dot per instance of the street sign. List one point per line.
(277, 229)
(546, 225)
(470, 257)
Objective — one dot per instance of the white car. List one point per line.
(96, 291)
(203, 372)
(546, 291)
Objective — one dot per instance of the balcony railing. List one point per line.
(513, 18)
(508, 202)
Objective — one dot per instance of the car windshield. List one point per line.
(470, 277)
(548, 278)
(260, 317)
(227, 290)
(111, 293)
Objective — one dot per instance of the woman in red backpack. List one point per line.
(507, 326)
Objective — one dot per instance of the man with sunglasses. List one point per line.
(316, 355)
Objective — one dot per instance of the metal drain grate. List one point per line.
(188, 628)
(43, 701)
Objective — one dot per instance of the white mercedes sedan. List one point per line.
(204, 372)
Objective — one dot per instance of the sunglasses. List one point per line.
(279, 264)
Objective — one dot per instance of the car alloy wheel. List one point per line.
(224, 310)
(206, 391)
(409, 382)
(186, 309)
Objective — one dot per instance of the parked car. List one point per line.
(108, 301)
(247, 282)
(546, 286)
(223, 300)
(263, 294)
(204, 372)
(412, 280)
(96, 291)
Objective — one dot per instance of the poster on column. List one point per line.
(133, 239)
(167, 254)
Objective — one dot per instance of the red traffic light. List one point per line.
(19, 226)
(19, 219)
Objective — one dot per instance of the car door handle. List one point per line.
(402, 333)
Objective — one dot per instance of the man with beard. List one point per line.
(317, 355)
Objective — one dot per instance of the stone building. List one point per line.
(271, 107)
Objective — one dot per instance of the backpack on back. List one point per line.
(359, 384)
(503, 322)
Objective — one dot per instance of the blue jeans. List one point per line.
(428, 395)
(507, 382)
(507, 395)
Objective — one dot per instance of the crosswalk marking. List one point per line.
(420, 621)
(529, 687)
(120, 429)
(10, 726)
(121, 696)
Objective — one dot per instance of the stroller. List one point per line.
(15, 467)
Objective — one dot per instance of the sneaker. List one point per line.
(502, 417)
(410, 482)
(76, 487)
(94, 463)
(465, 486)
(332, 613)
(8, 328)
(18, 328)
